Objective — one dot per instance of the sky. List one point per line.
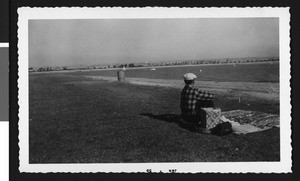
(72, 42)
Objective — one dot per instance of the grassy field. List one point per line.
(74, 119)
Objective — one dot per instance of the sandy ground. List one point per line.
(267, 91)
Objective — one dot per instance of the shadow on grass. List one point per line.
(170, 118)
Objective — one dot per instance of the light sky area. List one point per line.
(107, 41)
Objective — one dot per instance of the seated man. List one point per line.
(192, 100)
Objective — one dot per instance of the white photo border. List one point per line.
(282, 166)
(4, 45)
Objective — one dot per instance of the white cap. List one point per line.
(189, 76)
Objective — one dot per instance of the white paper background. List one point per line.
(4, 151)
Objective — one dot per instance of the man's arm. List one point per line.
(204, 95)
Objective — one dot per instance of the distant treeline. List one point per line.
(132, 65)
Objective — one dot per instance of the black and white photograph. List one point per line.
(4, 51)
(4, 58)
(182, 90)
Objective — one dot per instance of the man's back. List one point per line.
(189, 98)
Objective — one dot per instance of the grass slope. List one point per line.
(78, 120)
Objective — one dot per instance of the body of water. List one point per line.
(261, 72)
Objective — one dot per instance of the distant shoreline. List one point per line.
(150, 67)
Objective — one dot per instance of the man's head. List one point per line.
(189, 78)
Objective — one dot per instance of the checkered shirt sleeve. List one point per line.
(204, 95)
